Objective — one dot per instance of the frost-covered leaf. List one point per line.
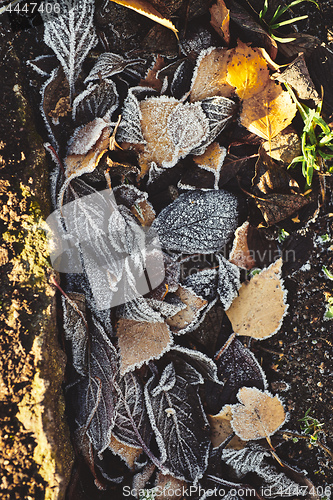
(240, 254)
(203, 283)
(221, 429)
(99, 100)
(132, 426)
(268, 112)
(128, 453)
(96, 394)
(76, 329)
(141, 341)
(109, 64)
(228, 281)
(237, 367)
(130, 126)
(166, 308)
(186, 319)
(219, 111)
(178, 420)
(86, 147)
(198, 222)
(220, 17)
(256, 460)
(258, 415)
(146, 9)
(168, 487)
(71, 34)
(202, 363)
(261, 305)
(247, 70)
(210, 75)
(171, 130)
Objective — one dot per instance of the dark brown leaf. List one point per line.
(277, 207)
(297, 76)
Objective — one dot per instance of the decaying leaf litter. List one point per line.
(198, 153)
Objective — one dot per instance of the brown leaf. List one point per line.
(127, 453)
(151, 79)
(268, 112)
(277, 207)
(140, 341)
(146, 9)
(271, 177)
(169, 487)
(220, 18)
(247, 71)
(171, 130)
(297, 76)
(260, 307)
(144, 212)
(220, 426)
(210, 75)
(258, 415)
(88, 146)
(212, 160)
(285, 146)
(264, 251)
(303, 43)
(240, 254)
(184, 318)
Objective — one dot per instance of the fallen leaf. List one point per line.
(151, 79)
(260, 307)
(220, 427)
(271, 177)
(212, 160)
(62, 108)
(263, 250)
(268, 112)
(258, 415)
(210, 75)
(297, 76)
(88, 145)
(303, 43)
(184, 319)
(140, 341)
(285, 146)
(98, 100)
(76, 329)
(247, 71)
(146, 9)
(220, 18)
(277, 207)
(240, 254)
(127, 453)
(171, 130)
(109, 64)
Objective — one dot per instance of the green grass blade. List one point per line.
(288, 21)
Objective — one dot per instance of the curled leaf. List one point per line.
(186, 318)
(260, 307)
(240, 254)
(258, 415)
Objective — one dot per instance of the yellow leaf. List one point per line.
(221, 429)
(210, 75)
(140, 341)
(145, 9)
(127, 453)
(220, 18)
(247, 71)
(258, 415)
(268, 112)
(261, 304)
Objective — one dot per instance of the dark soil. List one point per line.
(297, 361)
